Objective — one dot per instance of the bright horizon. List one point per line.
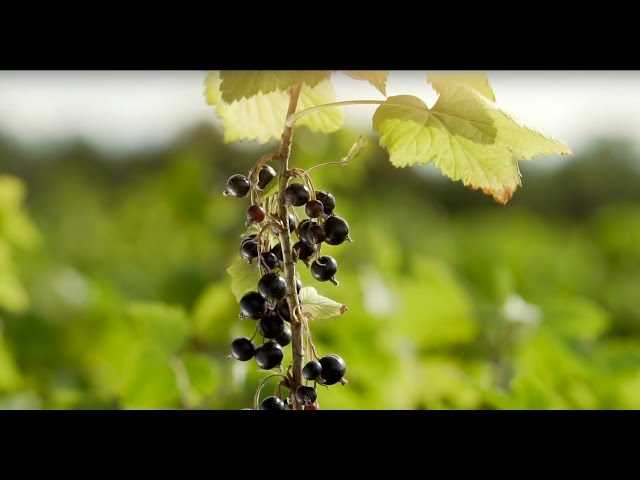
(125, 110)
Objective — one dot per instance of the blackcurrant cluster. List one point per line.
(268, 304)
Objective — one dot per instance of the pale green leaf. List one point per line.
(163, 326)
(262, 116)
(476, 80)
(317, 306)
(466, 136)
(244, 84)
(244, 277)
(377, 78)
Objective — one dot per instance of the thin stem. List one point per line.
(291, 119)
(297, 344)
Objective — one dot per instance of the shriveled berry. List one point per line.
(256, 214)
(333, 369)
(271, 325)
(267, 173)
(336, 230)
(242, 349)
(269, 355)
(314, 208)
(324, 268)
(237, 186)
(273, 403)
(306, 395)
(253, 305)
(272, 286)
(328, 201)
(312, 370)
(284, 338)
(296, 194)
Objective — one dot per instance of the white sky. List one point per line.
(127, 109)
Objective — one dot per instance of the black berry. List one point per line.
(272, 403)
(242, 349)
(333, 369)
(270, 260)
(272, 286)
(256, 214)
(249, 249)
(314, 208)
(267, 173)
(312, 370)
(336, 230)
(277, 251)
(283, 310)
(303, 250)
(271, 325)
(296, 194)
(237, 186)
(269, 355)
(311, 232)
(284, 338)
(306, 395)
(324, 268)
(328, 201)
(253, 305)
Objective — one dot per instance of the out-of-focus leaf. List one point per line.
(377, 78)
(244, 277)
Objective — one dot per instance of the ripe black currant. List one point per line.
(312, 370)
(324, 268)
(253, 305)
(296, 194)
(249, 249)
(328, 201)
(333, 369)
(242, 349)
(272, 286)
(267, 173)
(237, 186)
(303, 250)
(270, 260)
(311, 232)
(277, 251)
(283, 310)
(271, 325)
(284, 338)
(314, 208)
(256, 214)
(306, 395)
(269, 355)
(272, 403)
(336, 229)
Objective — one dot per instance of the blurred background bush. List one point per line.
(113, 290)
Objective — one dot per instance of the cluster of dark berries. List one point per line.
(268, 304)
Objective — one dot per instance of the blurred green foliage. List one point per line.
(114, 294)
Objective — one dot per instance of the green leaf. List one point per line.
(163, 326)
(319, 307)
(237, 84)
(477, 81)
(377, 78)
(244, 277)
(466, 136)
(262, 116)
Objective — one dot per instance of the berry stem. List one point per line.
(292, 118)
(297, 343)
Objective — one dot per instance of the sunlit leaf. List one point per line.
(476, 80)
(243, 84)
(377, 78)
(318, 306)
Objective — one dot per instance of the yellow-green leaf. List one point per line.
(465, 135)
(239, 84)
(244, 277)
(475, 80)
(262, 116)
(377, 78)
